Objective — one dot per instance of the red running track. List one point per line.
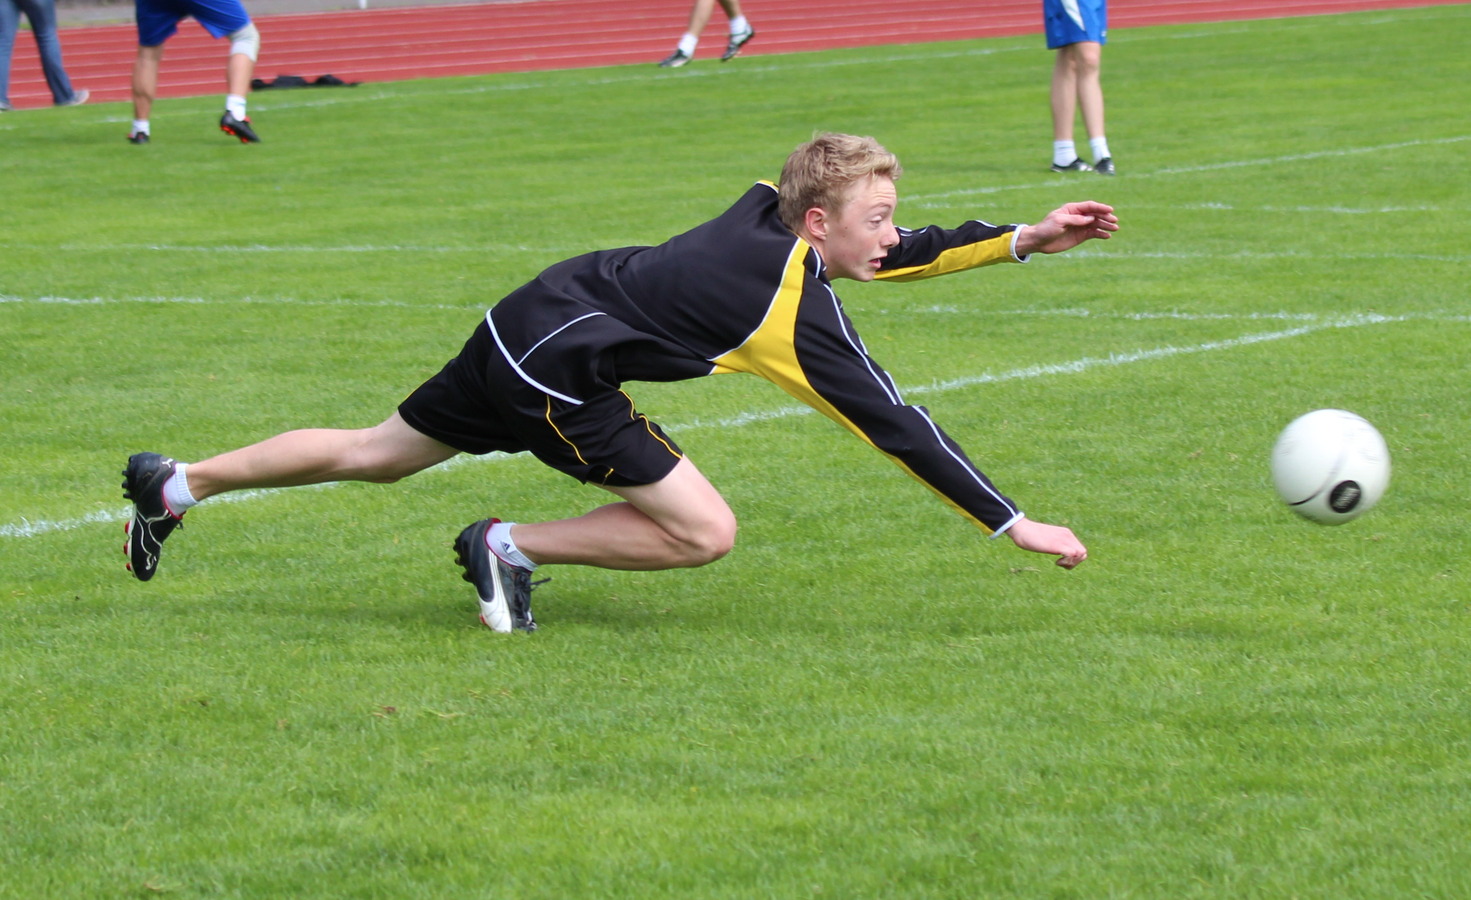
(533, 35)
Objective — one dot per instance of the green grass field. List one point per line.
(866, 699)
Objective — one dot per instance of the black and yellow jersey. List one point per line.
(743, 293)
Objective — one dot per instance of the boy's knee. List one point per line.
(709, 542)
(718, 540)
(700, 543)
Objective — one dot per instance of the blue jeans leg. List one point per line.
(42, 14)
(9, 25)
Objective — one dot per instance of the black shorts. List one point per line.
(478, 404)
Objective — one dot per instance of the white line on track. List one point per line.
(36, 527)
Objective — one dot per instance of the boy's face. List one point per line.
(860, 234)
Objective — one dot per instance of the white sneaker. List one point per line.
(504, 590)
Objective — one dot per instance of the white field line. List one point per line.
(35, 527)
(242, 301)
(921, 201)
(1310, 210)
(1089, 253)
(266, 248)
(1284, 316)
(1085, 252)
(925, 201)
(1093, 254)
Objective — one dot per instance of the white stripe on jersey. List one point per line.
(886, 384)
(969, 469)
(517, 366)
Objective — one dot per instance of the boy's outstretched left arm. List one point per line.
(1066, 227)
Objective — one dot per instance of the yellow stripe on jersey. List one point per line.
(770, 352)
(956, 259)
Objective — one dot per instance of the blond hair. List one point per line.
(820, 172)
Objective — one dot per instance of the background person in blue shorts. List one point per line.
(157, 22)
(1077, 30)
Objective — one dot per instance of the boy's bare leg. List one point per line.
(678, 521)
(384, 453)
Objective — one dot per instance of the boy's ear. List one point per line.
(816, 220)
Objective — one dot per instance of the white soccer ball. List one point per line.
(1330, 466)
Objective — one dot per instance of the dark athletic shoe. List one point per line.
(737, 41)
(138, 137)
(504, 589)
(152, 521)
(674, 60)
(1104, 166)
(1077, 165)
(239, 128)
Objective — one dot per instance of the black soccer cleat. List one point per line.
(1077, 165)
(504, 589)
(138, 137)
(1104, 166)
(239, 128)
(152, 521)
(674, 60)
(737, 41)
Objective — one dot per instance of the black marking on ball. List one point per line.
(1345, 496)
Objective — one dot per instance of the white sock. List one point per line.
(235, 105)
(688, 43)
(140, 126)
(176, 494)
(739, 25)
(1100, 147)
(499, 539)
(1063, 152)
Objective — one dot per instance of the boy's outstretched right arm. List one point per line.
(1066, 227)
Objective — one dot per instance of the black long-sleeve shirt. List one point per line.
(743, 293)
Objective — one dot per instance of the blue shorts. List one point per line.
(159, 19)
(1073, 21)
